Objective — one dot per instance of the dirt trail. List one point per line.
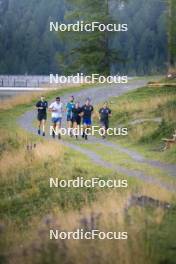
(99, 94)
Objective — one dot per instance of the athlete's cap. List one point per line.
(88, 99)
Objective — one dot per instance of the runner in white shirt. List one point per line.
(56, 109)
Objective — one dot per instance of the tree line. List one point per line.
(27, 46)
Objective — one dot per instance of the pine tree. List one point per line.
(89, 52)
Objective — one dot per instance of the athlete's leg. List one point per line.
(88, 127)
(103, 126)
(43, 126)
(86, 132)
(84, 129)
(54, 129)
(58, 127)
(75, 127)
(69, 126)
(39, 126)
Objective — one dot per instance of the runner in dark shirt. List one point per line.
(104, 114)
(42, 106)
(76, 116)
(87, 111)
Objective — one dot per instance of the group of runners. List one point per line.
(76, 115)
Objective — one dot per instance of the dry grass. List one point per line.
(21, 99)
(145, 105)
(11, 161)
(106, 214)
(27, 97)
(156, 192)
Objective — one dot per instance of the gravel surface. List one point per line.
(99, 94)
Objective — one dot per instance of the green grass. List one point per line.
(146, 137)
(116, 157)
(26, 198)
(27, 193)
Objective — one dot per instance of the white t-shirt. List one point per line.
(58, 109)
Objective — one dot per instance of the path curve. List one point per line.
(98, 94)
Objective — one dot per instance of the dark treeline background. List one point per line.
(27, 46)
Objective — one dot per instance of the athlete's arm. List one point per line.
(46, 105)
(110, 112)
(81, 111)
(38, 105)
(51, 108)
(99, 114)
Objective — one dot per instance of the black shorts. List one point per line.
(104, 123)
(41, 117)
(76, 120)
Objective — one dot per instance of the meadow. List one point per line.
(150, 115)
(29, 208)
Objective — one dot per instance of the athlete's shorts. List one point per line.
(76, 120)
(104, 123)
(87, 121)
(41, 117)
(56, 120)
(69, 118)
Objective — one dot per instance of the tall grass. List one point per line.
(29, 208)
(106, 214)
(147, 103)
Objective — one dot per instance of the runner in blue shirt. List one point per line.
(69, 107)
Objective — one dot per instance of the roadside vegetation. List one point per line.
(29, 208)
(149, 113)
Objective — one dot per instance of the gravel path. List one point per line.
(99, 94)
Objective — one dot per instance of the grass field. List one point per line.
(147, 104)
(29, 208)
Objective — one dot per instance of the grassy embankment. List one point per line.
(148, 103)
(149, 114)
(29, 207)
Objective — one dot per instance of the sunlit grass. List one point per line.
(29, 208)
(146, 103)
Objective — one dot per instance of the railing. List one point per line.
(23, 81)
